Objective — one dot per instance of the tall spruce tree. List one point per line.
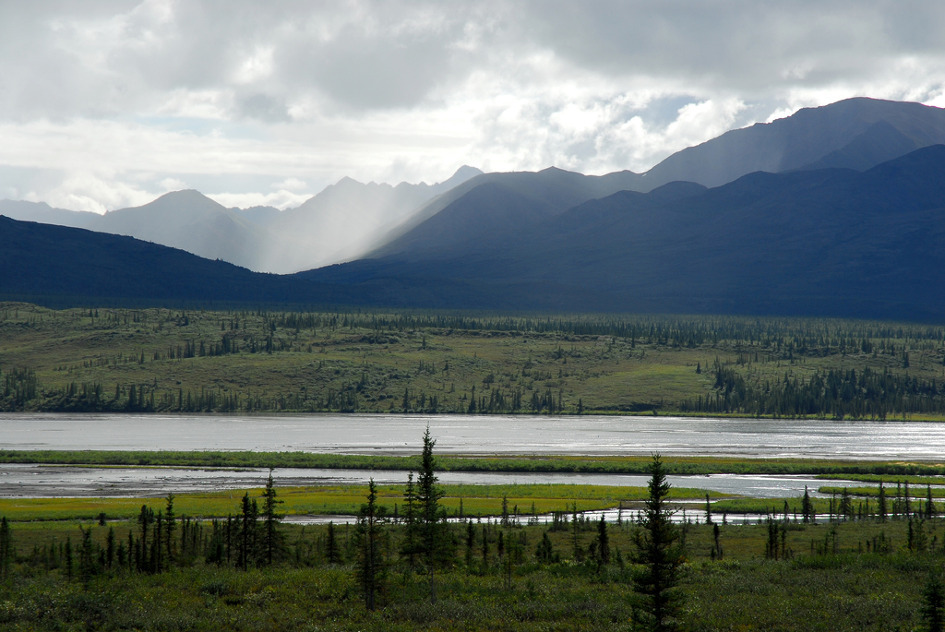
(807, 507)
(432, 525)
(660, 554)
(410, 547)
(332, 552)
(170, 524)
(270, 521)
(603, 545)
(370, 567)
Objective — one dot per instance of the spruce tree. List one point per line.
(882, 509)
(807, 507)
(410, 546)
(603, 545)
(370, 561)
(432, 542)
(6, 548)
(247, 532)
(660, 555)
(170, 524)
(331, 546)
(270, 520)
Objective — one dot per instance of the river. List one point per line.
(401, 435)
(461, 434)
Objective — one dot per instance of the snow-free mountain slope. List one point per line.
(856, 133)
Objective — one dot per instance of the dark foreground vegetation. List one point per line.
(408, 568)
(160, 360)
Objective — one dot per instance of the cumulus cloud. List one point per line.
(116, 96)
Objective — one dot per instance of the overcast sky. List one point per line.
(106, 104)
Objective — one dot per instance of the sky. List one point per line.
(106, 104)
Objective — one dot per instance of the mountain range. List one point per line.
(341, 223)
(837, 210)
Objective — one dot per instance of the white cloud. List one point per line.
(116, 95)
(86, 191)
(281, 199)
(291, 184)
(173, 184)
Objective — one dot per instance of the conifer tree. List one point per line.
(110, 548)
(6, 548)
(247, 532)
(433, 538)
(370, 561)
(659, 552)
(544, 551)
(331, 546)
(881, 508)
(410, 546)
(270, 520)
(603, 545)
(807, 507)
(170, 525)
(86, 557)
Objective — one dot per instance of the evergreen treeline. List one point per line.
(864, 394)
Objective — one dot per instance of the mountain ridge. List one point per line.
(839, 236)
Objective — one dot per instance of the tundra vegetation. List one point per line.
(167, 360)
(440, 557)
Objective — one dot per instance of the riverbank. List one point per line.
(520, 463)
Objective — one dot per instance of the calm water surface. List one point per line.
(401, 434)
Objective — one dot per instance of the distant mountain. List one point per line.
(348, 219)
(193, 222)
(183, 219)
(491, 205)
(259, 215)
(343, 222)
(42, 212)
(469, 211)
(818, 242)
(855, 133)
(830, 242)
(837, 211)
(70, 266)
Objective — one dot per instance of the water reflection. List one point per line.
(23, 481)
(487, 434)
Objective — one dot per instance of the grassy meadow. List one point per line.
(848, 574)
(250, 361)
(116, 564)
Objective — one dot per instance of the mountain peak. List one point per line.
(182, 195)
(466, 172)
(843, 134)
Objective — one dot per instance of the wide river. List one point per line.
(402, 435)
